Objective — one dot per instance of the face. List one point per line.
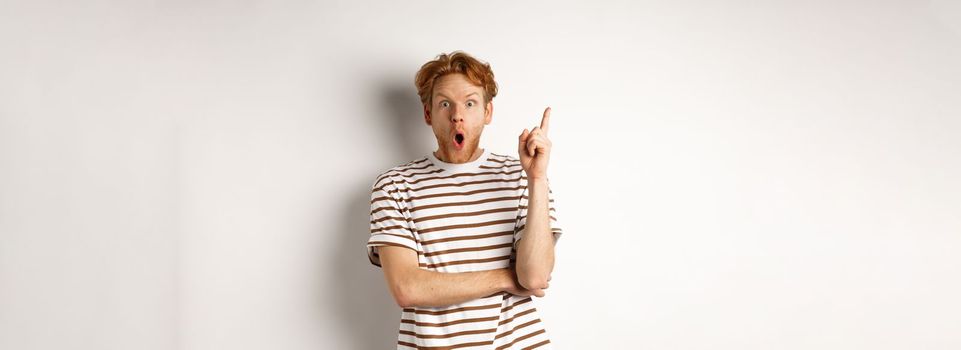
(457, 114)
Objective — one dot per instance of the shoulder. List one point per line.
(394, 173)
(503, 160)
(506, 167)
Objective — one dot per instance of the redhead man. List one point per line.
(465, 236)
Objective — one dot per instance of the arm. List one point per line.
(535, 250)
(412, 286)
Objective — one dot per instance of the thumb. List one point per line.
(523, 138)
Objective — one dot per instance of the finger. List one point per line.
(536, 144)
(524, 135)
(530, 137)
(534, 132)
(545, 121)
(539, 137)
(522, 141)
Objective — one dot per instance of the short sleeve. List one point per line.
(389, 223)
(522, 216)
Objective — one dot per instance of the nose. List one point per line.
(456, 114)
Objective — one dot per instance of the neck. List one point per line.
(448, 159)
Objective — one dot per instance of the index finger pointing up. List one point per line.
(545, 121)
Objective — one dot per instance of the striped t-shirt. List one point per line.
(459, 218)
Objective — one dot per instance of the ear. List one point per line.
(488, 112)
(426, 114)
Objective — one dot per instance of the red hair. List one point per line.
(477, 72)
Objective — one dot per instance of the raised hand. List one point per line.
(534, 149)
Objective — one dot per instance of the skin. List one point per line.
(456, 106)
(535, 250)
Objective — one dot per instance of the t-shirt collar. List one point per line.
(460, 167)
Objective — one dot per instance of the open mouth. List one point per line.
(459, 139)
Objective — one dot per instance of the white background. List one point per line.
(729, 175)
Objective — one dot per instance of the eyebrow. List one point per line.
(445, 96)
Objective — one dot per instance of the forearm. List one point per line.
(535, 251)
(438, 289)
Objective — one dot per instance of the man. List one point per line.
(466, 236)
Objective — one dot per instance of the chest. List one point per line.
(464, 224)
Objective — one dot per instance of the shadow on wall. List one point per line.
(363, 305)
(406, 127)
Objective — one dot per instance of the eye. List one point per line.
(444, 104)
(470, 103)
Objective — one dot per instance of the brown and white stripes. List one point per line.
(459, 218)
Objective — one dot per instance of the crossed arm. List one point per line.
(412, 286)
